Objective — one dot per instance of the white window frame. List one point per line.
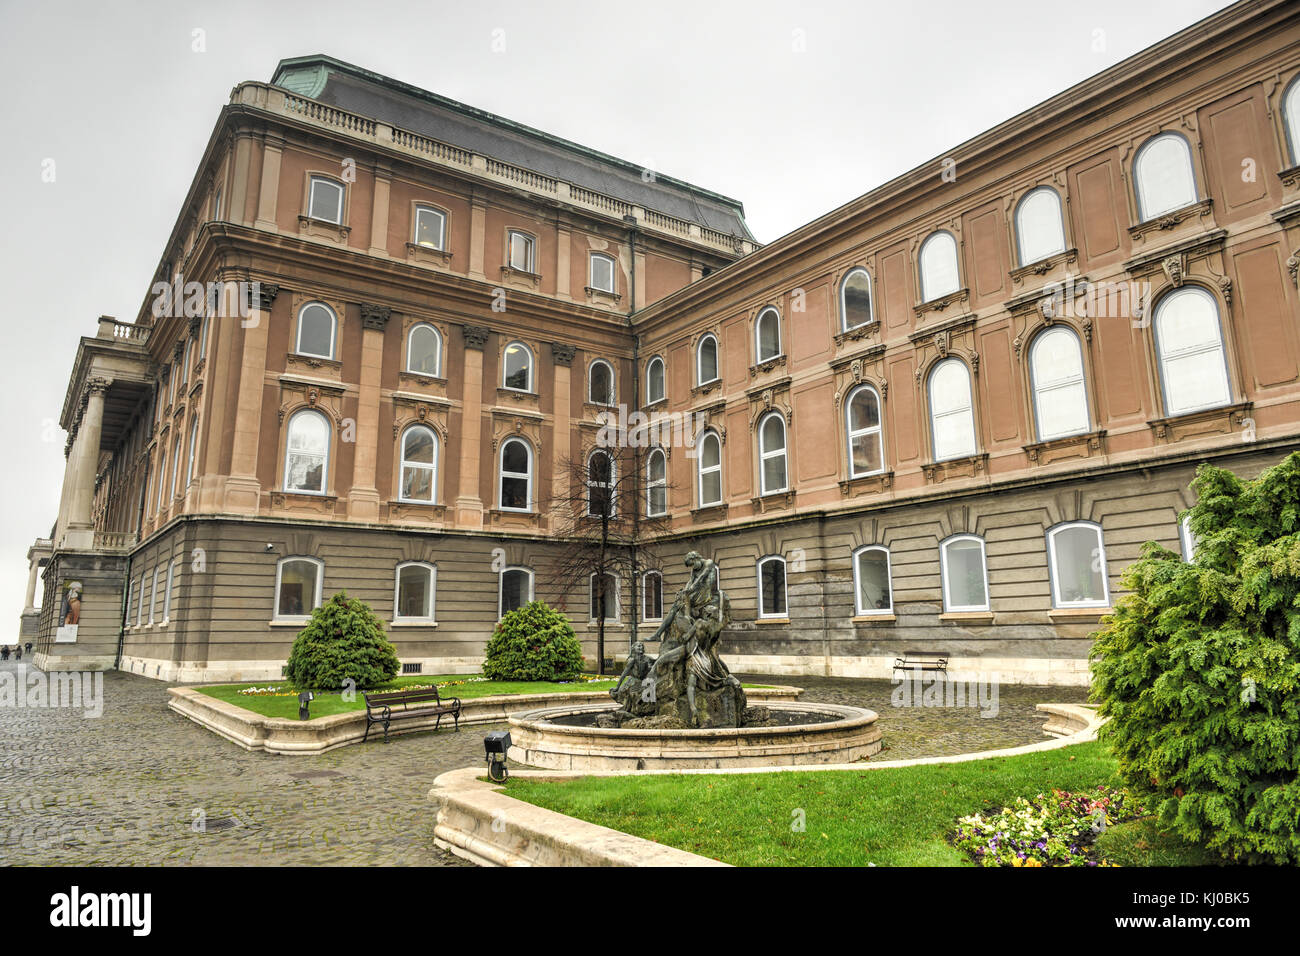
(1163, 357)
(1059, 247)
(700, 470)
(437, 351)
(591, 273)
(645, 595)
(329, 452)
(878, 430)
(403, 464)
(613, 481)
(216, 205)
(591, 383)
(1291, 119)
(1099, 551)
(139, 601)
(948, 606)
(162, 478)
(334, 332)
(618, 598)
(532, 367)
(177, 448)
(772, 311)
(785, 588)
(429, 618)
(858, 609)
(927, 295)
(1146, 214)
(871, 303)
(969, 409)
(1038, 388)
(172, 570)
(717, 359)
(311, 199)
(651, 398)
(203, 337)
(1187, 538)
(153, 594)
(316, 598)
(530, 250)
(421, 210)
(502, 474)
(194, 446)
(653, 483)
(501, 586)
(765, 453)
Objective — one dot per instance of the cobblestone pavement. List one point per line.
(127, 787)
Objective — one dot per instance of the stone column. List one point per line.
(33, 572)
(80, 531)
(477, 237)
(563, 355)
(563, 242)
(243, 489)
(469, 506)
(379, 212)
(269, 192)
(363, 496)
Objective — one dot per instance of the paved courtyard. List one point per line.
(128, 787)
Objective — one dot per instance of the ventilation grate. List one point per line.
(412, 668)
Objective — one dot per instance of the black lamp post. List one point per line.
(497, 744)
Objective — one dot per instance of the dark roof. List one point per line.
(356, 90)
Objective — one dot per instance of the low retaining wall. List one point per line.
(280, 735)
(480, 823)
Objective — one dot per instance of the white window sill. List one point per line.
(884, 617)
(968, 617)
(414, 622)
(772, 620)
(288, 622)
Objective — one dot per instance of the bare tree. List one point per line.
(606, 517)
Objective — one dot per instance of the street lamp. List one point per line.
(497, 744)
(304, 700)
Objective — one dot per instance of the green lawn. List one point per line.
(889, 817)
(332, 702)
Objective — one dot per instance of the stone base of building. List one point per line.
(1039, 671)
(73, 662)
(217, 672)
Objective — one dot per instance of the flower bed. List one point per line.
(1055, 830)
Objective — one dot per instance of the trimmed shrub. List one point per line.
(1198, 669)
(343, 640)
(533, 642)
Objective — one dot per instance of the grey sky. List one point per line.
(792, 109)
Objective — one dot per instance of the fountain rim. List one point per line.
(541, 720)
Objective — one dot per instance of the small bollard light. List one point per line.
(497, 745)
(304, 700)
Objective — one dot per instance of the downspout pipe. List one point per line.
(633, 230)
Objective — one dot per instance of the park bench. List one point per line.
(931, 662)
(390, 706)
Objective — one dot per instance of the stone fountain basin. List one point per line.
(539, 741)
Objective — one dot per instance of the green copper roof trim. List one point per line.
(306, 81)
(292, 69)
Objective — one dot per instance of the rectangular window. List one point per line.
(167, 595)
(430, 227)
(602, 273)
(153, 593)
(653, 605)
(325, 201)
(604, 599)
(216, 205)
(521, 252)
(297, 587)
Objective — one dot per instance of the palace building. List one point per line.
(942, 417)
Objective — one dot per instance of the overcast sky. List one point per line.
(792, 109)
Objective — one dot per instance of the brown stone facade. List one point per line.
(402, 281)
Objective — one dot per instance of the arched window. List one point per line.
(656, 483)
(514, 590)
(939, 273)
(952, 416)
(772, 454)
(862, 420)
(767, 334)
(771, 587)
(600, 485)
(604, 597)
(419, 465)
(1060, 397)
(317, 328)
(855, 299)
(297, 587)
(654, 381)
(414, 589)
(1077, 559)
(871, 581)
(706, 360)
(710, 468)
(424, 350)
(1039, 229)
(518, 367)
(307, 452)
(965, 574)
(516, 475)
(601, 273)
(600, 383)
(652, 596)
(1189, 343)
(1291, 119)
(325, 200)
(194, 444)
(1162, 176)
(430, 227)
